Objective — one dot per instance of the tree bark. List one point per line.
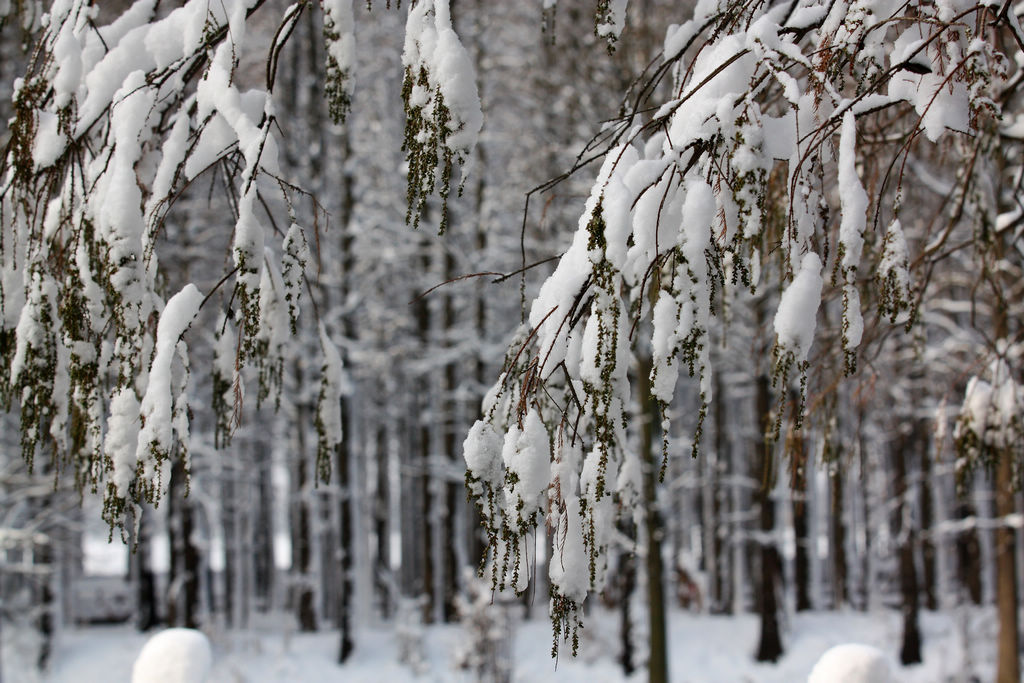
(837, 546)
(968, 553)
(910, 650)
(626, 578)
(769, 647)
(718, 601)
(345, 520)
(1008, 650)
(381, 524)
(183, 582)
(654, 531)
(795, 447)
(305, 608)
(139, 569)
(929, 572)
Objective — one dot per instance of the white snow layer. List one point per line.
(339, 21)
(435, 47)
(482, 451)
(614, 20)
(158, 403)
(177, 655)
(569, 567)
(329, 406)
(796, 317)
(527, 454)
(852, 197)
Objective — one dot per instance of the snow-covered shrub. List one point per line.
(409, 633)
(851, 663)
(486, 650)
(177, 655)
(991, 420)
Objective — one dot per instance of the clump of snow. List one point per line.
(611, 18)
(990, 414)
(569, 568)
(854, 204)
(482, 451)
(331, 391)
(434, 47)
(158, 404)
(795, 319)
(852, 197)
(527, 455)
(851, 663)
(940, 99)
(123, 437)
(50, 142)
(177, 655)
(339, 37)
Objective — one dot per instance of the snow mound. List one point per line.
(851, 663)
(177, 655)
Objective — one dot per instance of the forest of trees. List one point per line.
(376, 312)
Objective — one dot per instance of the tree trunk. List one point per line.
(910, 650)
(345, 520)
(769, 647)
(797, 452)
(929, 573)
(1008, 650)
(968, 553)
(626, 578)
(837, 546)
(453, 492)
(720, 581)
(303, 602)
(141, 573)
(263, 532)
(183, 582)
(658, 630)
(46, 622)
(381, 524)
(228, 507)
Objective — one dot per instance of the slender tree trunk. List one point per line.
(1008, 648)
(797, 452)
(453, 492)
(228, 510)
(929, 573)
(141, 573)
(866, 564)
(837, 546)
(345, 521)
(263, 536)
(626, 578)
(423, 512)
(381, 524)
(183, 582)
(1007, 602)
(304, 605)
(658, 628)
(910, 651)
(769, 647)
(720, 583)
(968, 552)
(46, 622)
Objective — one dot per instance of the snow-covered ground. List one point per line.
(703, 649)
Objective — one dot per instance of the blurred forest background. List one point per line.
(864, 511)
